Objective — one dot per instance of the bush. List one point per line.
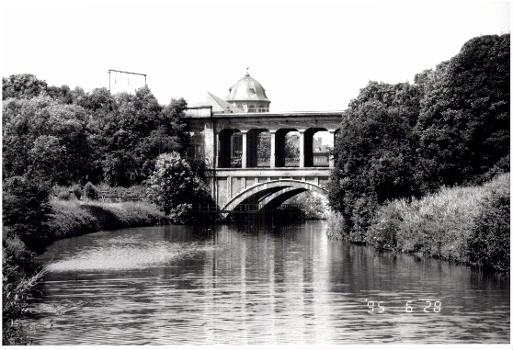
(26, 210)
(461, 224)
(75, 218)
(64, 195)
(90, 191)
(311, 205)
(77, 191)
(16, 287)
(490, 238)
(337, 228)
(174, 188)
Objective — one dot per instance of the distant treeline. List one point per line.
(449, 127)
(69, 136)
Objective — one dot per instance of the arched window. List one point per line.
(291, 149)
(321, 145)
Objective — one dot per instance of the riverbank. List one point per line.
(67, 218)
(467, 225)
(73, 218)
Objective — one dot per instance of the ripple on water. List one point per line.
(130, 257)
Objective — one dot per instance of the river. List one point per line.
(255, 285)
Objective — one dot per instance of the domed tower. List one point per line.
(248, 95)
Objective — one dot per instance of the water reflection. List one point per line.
(249, 285)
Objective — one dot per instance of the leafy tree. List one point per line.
(22, 86)
(375, 152)
(175, 188)
(47, 158)
(30, 126)
(463, 126)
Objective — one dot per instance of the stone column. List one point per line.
(218, 150)
(301, 148)
(273, 149)
(331, 159)
(244, 148)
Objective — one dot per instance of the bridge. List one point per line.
(248, 166)
(257, 160)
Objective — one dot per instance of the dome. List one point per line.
(247, 89)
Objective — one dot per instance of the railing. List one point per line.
(321, 159)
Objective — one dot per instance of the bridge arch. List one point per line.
(271, 194)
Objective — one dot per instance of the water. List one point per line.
(289, 284)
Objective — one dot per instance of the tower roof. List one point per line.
(247, 89)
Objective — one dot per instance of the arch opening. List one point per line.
(318, 143)
(270, 194)
(259, 148)
(287, 148)
(230, 148)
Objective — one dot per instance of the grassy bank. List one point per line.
(72, 218)
(463, 224)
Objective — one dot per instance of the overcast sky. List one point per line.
(308, 55)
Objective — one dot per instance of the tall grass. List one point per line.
(444, 224)
(72, 218)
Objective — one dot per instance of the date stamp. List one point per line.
(408, 306)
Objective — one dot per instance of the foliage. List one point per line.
(464, 224)
(375, 152)
(175, 188)
(76, 189)
(68, 136)
(90, 191)
(46, 139)
(26, 210)
(17, 261)
(489, 243)
(337, 228)
(401, 141)
(22, 86)
(463, 125)
(311, 205)
(74, 218)
(291, 146)
(64, 195)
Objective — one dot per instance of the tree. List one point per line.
(47, 158)
(175, 188)
(22, 86)
(29, 125)
(463, 126)
(375, 152)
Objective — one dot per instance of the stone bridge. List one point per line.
(232, 145)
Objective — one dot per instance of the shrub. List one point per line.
(77, 191)
(337, 228)
(311, 205)
(490, 238)
(64, 195)
(386, 225)
(464, 224)
(16, 287)
(174, 188)
(90, 191)
(26, 210)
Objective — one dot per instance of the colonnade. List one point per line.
(228, 140)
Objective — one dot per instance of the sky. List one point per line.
(308, 55)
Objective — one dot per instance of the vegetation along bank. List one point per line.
(415, 161)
